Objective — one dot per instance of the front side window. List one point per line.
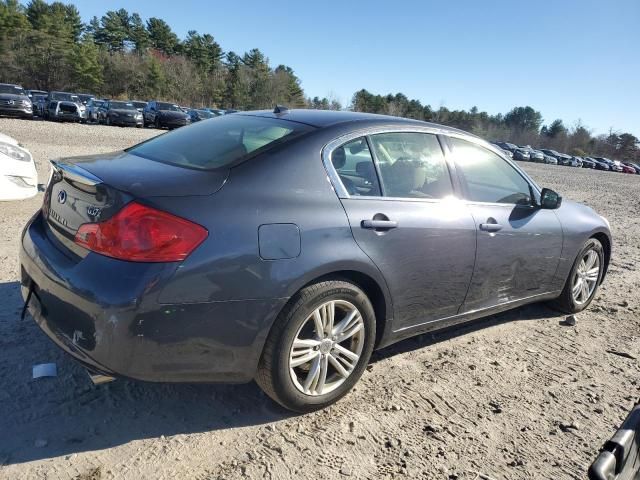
(354, 165)
(220, 142)
(488, 177)
(411, 165)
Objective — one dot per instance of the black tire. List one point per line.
(108, 121)
(273, 371)
(157, 123)
(565, 302)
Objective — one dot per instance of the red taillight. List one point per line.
(142, 234)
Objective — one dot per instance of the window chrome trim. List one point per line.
(328, 149)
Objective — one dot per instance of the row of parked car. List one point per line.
(86, 108)
(543, 155)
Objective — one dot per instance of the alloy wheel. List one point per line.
(586, 277)
(326, 348)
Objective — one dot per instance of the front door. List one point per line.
(518, 244)
(404, 216)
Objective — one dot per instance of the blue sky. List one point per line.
(570, 59)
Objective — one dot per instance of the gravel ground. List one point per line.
(517, 395)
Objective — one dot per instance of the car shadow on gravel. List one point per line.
(60, 416)
(535, 311)
(51, 417)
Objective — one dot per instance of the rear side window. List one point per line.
(354, 165)
(411, 165)
(218, 142)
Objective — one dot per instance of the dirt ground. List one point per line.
(517, 395)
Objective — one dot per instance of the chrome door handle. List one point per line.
(490, 227)
(379, 224)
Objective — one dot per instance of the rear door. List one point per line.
(398, 195)
(518, 244)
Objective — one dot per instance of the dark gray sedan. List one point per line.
(285, 246)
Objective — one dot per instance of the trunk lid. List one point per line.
(94, 188)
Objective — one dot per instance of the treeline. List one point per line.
(120, 55)
(47, 46)
(521, 125)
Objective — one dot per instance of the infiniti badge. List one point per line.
(62, 196)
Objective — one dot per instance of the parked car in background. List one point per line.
(63, 111)
(216, 111)
(536, 155)
(610, 163)
(39, 103)
(164, 115)
(626, 168)
(598, 164)
(197, 115)
(63, 97)
(14, 101)
(123, 114)
(588, 163)
(506, 146)
(560, 157)
(18, 175)
(196, 257)
(32, 93)
(550, 160)
(635, 166)
(521, 154)
(85, 97)
(95, 110)
(139, 104)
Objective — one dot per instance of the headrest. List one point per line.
(338, 158)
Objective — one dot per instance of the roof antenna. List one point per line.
(280, 109)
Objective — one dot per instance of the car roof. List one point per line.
(326, 118)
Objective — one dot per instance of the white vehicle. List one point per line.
(18, 176)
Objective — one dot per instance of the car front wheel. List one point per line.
(318, 347)
(584, 278)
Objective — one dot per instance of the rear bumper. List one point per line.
(105, 313)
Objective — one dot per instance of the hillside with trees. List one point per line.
(121, 55)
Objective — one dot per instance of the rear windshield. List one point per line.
(219, 142)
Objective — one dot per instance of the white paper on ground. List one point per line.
(45, 370)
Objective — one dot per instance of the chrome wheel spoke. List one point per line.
(590, 260)
(304, 356)
(345, 357)
(328, 313)
(338, 366)
(319, 324)
(592, 275)
(313, 376)
(322, 376)
(577, 287)
(348, 327)
(585, 291)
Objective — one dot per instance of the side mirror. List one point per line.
(549, 199)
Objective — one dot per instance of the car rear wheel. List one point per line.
(584, 279)
(318, 347)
